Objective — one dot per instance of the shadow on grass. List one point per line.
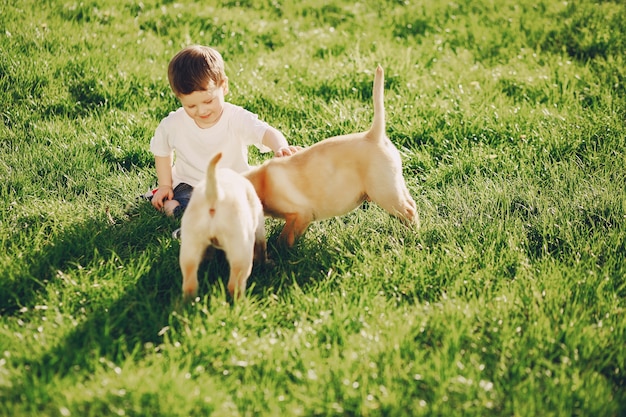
(116, 328)
(117, 324)
(77, 246)
(333, 250)
(113, 326)
(305, 264)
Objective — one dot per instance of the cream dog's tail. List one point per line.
(377, 131)
(213, 191)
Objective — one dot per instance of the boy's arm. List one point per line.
(163, 165)
(276, 141)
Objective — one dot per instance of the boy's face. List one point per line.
(205, 106)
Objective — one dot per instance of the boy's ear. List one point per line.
(225, 85)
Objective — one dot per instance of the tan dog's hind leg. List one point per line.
(398, 202)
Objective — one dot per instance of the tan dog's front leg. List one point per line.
(260, 243)
(260, 252)
(295, 225)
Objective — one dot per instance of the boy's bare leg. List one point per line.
(169, 206)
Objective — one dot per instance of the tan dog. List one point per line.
(224, 212)
(334, 176)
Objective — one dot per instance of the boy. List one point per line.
(202, 127)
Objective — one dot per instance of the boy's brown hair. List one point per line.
(193, 68)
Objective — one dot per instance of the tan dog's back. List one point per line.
(334, 176)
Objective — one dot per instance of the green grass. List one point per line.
(508, 301)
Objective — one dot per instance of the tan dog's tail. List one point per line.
(213, 190)
(377, 131)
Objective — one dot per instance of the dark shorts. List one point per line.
(182, 194)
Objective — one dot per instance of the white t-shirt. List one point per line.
(193, 146)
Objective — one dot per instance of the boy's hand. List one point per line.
(164, 192)
(287, 151)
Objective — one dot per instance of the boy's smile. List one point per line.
(205, 107)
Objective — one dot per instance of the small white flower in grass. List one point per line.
(486, 385)
(465, 381)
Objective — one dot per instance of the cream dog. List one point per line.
(224, 212)
(334, 176)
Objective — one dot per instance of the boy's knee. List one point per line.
(170, 207)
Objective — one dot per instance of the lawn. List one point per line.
(508, 301)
